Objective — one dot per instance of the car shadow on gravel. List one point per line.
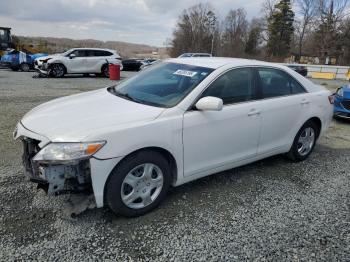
(230, 187)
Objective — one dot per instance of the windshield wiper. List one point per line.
(126, 96)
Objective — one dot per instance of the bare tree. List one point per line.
(195, 31)
(330, 13)
(235, 32)
(268, 7)
(307, 10)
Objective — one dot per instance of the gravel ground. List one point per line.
(269, 210)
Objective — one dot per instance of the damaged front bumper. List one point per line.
(41, 67)
(86, 176)
(56, 178)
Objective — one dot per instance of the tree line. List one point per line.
(313, 29)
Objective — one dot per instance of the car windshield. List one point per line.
(65, 53)
(163, 85)
(185, 55)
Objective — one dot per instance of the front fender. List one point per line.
(165, 133)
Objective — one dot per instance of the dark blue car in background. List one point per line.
(342, 102)
(18, 60)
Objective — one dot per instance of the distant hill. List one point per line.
(57, 45)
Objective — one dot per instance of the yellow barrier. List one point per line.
(347, 75)
(323, 75)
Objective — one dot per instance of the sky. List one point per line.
(136, 21)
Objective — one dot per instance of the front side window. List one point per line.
(163, 85)
(234, 86)
(80, 53)
(274, 83)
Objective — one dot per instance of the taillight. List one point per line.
(331, 99)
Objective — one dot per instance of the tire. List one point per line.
(105, 71)
(57, 70)
(304, 142)
(147, 192)
(15, 69)
(24, 67)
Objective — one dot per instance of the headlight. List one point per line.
(45, 60)
(68, 151)
(340, 92)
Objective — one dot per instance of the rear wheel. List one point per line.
(138, 184)
(304, 142)
(24, 67)
(57, 70)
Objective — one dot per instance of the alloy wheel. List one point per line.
(57, 70)
(306, 141)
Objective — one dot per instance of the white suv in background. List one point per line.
(78, 61)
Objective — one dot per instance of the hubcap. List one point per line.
(142, 185)
(306, 141)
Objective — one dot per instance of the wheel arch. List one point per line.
(317, 121)
(169, 156)
(102, 66)
(59, 63)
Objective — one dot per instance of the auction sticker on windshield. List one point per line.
(185, 73)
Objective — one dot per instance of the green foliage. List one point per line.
(253, 41)
(280, 29)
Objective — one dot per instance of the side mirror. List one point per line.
(71, 56)
(209, 103)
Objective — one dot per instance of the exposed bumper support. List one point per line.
(55, 178)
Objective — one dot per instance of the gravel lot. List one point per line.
(270, 210)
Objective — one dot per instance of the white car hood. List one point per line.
(49, 57)
(74, 118)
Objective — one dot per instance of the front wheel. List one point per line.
(304, 142)
(57, 70)
(138, 184)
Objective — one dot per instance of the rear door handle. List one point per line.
(305, 102)
(254, 112)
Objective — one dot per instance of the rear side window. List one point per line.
(234, 86)
(274, 83)
(102, 53)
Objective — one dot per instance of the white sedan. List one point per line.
(78, 61)
(180, 120)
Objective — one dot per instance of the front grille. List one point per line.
(346, 104)
(30, 149)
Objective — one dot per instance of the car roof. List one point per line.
(216, 62)
(94, 48)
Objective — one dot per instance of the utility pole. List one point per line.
(211, 22)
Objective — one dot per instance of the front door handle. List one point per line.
(254, 112)
(304, 102)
